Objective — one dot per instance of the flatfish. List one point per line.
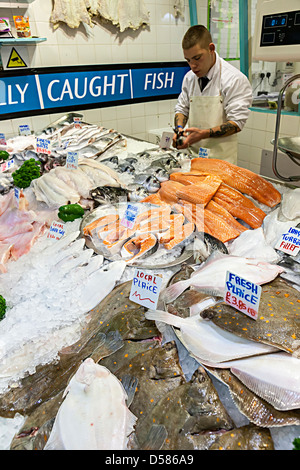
(158, 371)
(257, 410)
(278, 322)
(248, 437)
(50, 379)
(192, 407)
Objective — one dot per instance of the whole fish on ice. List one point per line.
(94, 414)
(205, 341)
(211, 275)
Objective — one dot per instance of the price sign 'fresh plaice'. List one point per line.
(289, 242)
(145, 288)
(243, 295)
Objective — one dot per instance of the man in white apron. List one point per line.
(214, 100)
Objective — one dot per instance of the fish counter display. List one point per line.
(194, 373)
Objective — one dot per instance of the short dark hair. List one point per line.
(197, 34)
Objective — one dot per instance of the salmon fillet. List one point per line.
(202, 192)
(176, 224)
(216, 226)
(154, 199)
(184, 178)
(215, 208)
(180, 235)
(239, 206)
(239, 178)
(167, 191)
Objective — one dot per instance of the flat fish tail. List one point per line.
(155, 438)
(165, 317)
(172, 292)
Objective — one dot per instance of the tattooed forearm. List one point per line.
(180, 120)
(228, 128)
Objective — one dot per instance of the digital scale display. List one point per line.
(282, 29)
(274, 21)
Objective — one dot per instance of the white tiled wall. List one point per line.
(104, 44)
(258, 134)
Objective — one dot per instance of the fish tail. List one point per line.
(165, 317)
(172, 292)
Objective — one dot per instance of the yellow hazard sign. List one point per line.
(15, 60)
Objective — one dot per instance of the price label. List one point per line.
(203, 152)
(243, 295)
(145, 288)
(2, 139)
(129, 216)
(7, 165)
(56, 231)
(17, 196)
(166, 140)
(289, 242)
(24, 129)
(72, 161)
(43, 146)
(77, 122)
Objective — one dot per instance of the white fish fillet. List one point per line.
(206, 341)
(274, 377)
(290, 205)
(211, 275)
(252, 244)
(94, 414)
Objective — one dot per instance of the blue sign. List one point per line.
(58, 89)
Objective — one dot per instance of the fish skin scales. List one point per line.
(239, 178)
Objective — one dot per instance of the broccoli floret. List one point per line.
(296, 443)
(2, 307)
(26, 173)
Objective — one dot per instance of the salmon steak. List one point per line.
(239, 178)
(99, 223)
(173, 238)
(139, 246)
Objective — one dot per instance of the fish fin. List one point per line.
(129, 383)
(172, 292)
(114, 341)
(166, 317)
(79, 345)
(155, 438)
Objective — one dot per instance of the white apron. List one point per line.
(207, 112)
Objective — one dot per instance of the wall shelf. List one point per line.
(20, 41)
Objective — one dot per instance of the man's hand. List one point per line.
(193, 135)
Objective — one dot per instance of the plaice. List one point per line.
(278, 322)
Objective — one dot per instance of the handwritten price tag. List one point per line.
(24, 129)
(2, 139)
(72, 161)
(129, 216)
(145, 288)
(56, 231)
(43, 146)
(166, 140)
(243, 295)
(289, 242)
(203, 152)
(7, 165)
(77, 123)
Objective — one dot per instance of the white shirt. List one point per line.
(233, 85)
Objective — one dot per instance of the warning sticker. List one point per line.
(15, 60)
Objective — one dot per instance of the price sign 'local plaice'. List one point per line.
(145, 288)
(241, 294)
